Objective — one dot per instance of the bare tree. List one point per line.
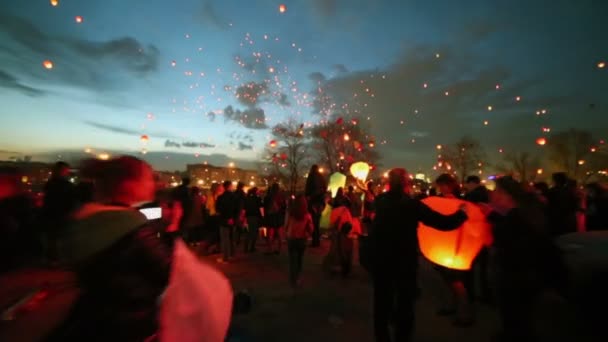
(342, 142)
(287, 158)
(462, 158)
(521, 165)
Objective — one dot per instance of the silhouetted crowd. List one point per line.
(123, 259)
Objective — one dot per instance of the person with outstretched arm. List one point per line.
(394, 243)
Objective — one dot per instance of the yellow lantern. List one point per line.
(458, 248)
(360, 170)
(336, 181)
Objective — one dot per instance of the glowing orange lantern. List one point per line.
(47, 64)
(273, 143)
(282, 8)
(144, 138)
(54, 3)
(78, 19)
(541, 141)
(458, 248)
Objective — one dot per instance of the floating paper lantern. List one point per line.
(541, 141)
(144, 138)
(360, 170)
(47, 64)
(78, 19)
(458, 248)
(54, 3)
(273, 143)
(336, 181)
(282, 8)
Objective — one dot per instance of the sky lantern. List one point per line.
(601, 65)
(458, 248)
(518, 98)
(336, 181)
(273, 143)
(47, 64)
(78, 19)
(54, 3)
(144, 138)
(541, 141)
(360, 170)
(282, 8)
(490, 108)
(593, 149)
(539, 171)
(346, 137)
(581, 162)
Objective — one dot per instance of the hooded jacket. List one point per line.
(122, 269)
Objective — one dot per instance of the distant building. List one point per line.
(203, 175)
(168, 179)
(34, 174)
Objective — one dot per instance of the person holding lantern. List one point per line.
(395, 254)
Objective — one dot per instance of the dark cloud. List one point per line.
(253, 118)
(283, 100)
(10, 82)
(402, 109)
(252, 93)
(326, 8)
(212, 18)
(192, 144)
(242, 146)
(171, 143)
(317, 77)
(127, 131)
(78, 62)
(341, 68)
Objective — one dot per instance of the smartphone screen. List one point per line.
(154, 213)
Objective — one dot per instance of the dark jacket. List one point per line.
(227, 207)
(394, 233)
(122, 268)
(253, 204)
(525, 255)
(478, 195)
(59, 201)
(315, 189)
(562, 207)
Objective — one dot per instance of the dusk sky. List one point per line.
(417, 73)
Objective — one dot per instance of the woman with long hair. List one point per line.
(274, 211)
(316, 186)
(299, 227)
(122, 267)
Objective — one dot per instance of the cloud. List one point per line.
(317, 77)
(253, 118)
(250, 94)
(326, 8)
(96, 65)
(211, 17)
(242, 146)
(414, 119)
(341, 68)
(197, 144)
(10, 82)
(171, 143)
(283, 100)
(127, 131)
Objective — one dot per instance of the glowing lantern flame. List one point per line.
(539, 171)
(601, 65)
(458, 248)
(282, 8)
(144, 138)
(273, 143)
(346, 137)
(78, 19)
(48, 64)
(541, 141)
(360, 170)
(54, 3)
(581, 162)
